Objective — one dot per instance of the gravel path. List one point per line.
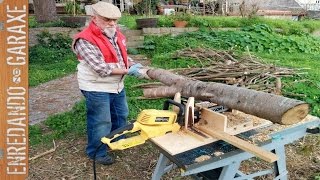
(53, 97)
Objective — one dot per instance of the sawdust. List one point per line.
(202, 158)
(236, 118)
(218, 153)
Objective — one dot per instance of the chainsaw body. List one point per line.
(150, 123)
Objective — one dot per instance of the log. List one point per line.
(278, 109)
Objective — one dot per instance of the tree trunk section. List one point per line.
(275, 108)
(45, 10)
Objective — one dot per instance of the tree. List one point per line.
(248, 9)
(222, 7)
(45, 10)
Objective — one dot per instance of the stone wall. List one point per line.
(64, 30)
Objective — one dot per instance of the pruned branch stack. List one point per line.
(225, 67)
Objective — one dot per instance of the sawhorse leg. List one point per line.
(161, 167)
(228, 172)
(280, 168)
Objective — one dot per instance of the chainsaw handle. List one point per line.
(180, 106)
(119, 131)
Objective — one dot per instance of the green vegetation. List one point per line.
(59, 126)
(73, 8)
(306, 88)
(284, 26)
(129, 21)
(34, 24)
(51, 58)
(57, 23)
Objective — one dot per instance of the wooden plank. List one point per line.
(213, 120)
(14, 89)
(242, 144)
(175, 143)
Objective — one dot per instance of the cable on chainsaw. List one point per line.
(94, 161)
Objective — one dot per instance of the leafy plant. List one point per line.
(258, 28)
(146, 7)
(73, 7)
(181, 16)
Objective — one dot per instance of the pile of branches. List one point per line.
(225, 67)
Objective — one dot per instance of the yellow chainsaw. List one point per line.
(150, 123)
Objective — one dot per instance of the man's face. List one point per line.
(103, 22)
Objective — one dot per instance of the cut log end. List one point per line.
(295, 114)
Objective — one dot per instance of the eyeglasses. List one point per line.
(108, 20)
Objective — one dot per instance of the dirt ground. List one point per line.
(68, 160)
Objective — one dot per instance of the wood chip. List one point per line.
(202, 158)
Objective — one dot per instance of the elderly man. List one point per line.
(103, 64)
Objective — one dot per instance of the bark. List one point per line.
(45, 10)
(275, 108)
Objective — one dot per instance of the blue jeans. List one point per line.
(105, 113)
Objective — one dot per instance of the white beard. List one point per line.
(110, 32)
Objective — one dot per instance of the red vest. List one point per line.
(94, 35)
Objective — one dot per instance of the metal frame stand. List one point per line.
(230, 163)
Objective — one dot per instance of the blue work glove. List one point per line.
(134, 70)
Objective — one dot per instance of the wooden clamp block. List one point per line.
(213, 120)
(177, 98)
(189, 113)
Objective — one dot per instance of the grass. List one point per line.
(52, 58)
(309, 85)
(59, 126)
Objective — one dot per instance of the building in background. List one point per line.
(288, 9)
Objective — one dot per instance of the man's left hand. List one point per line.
(134, 70)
